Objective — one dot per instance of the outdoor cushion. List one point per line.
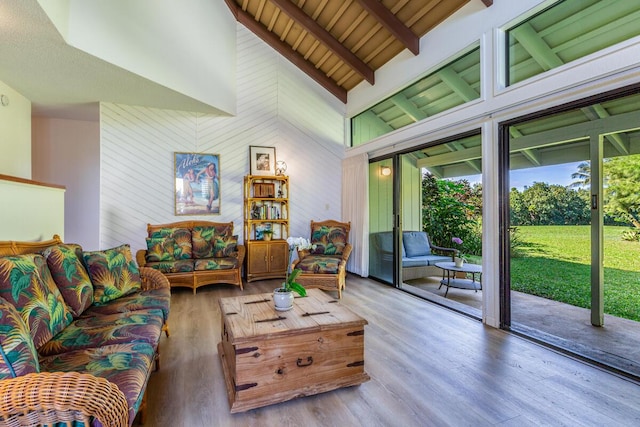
(98, 331)
(159, 298)
(424, 261)
(125, 365)
(223, 263)
(113, 273)
(70, 276)
(416, 243)
(209, 242)
(319, 264)
(25, 282)
(18, 355)
(182, 237)
(177, 266)
(328, 240)
(160, 249)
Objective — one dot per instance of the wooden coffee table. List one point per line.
(270, 356)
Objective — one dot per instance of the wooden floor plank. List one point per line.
(428, 366)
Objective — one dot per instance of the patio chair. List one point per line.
(324, 267)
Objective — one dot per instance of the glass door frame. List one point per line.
(596, 155)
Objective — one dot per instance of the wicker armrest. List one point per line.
(50, 397)
(141, 257)
(347, 251)
(240, 254)
(152, 279)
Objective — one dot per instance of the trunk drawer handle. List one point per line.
(300, 363)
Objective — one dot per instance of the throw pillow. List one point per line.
(113, 273)
(416, 243)
(70, 276)
(224, 246)
(26, 282)
(328, 240)
(18, 355)
(182, 237)
(160, 249)
(209, 240)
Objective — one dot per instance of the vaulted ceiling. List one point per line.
(340, 43)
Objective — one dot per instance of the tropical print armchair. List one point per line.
(324, 264)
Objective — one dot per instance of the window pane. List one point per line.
(454, 84)
(566, 31)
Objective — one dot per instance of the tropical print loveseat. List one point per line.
(324, 265)
(194, 253)
(79, 334)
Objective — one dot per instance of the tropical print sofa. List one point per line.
(324, 264)
(79, 334)
(194, 253)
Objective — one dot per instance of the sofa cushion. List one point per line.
(181, 236)
(209, 242)
(70, 276)
(113, 273)
(416, 243)
(18, 355)
(26, 282)
(424, 261)
(177, 266)
(160, 249)
(126, 365)
(328, 240)
(97, 331)
(222, 263)
(322, 264)
(159, 298)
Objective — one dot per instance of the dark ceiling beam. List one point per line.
(487, 2)
(392, 24)
(285, 50)
(307, 22)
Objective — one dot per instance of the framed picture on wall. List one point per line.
(262, 160)
(197, 184)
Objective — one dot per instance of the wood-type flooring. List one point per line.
(429, 366)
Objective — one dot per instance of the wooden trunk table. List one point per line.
(270, 356)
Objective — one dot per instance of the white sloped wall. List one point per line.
(277, 106)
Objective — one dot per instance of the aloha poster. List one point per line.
(197, 178)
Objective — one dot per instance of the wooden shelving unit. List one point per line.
(266, 207)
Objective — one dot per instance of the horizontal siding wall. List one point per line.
(278, 106)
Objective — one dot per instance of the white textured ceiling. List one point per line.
(62, 81)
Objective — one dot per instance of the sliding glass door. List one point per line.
(381, 221)
(574, 210)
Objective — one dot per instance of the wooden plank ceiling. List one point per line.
(340, 43)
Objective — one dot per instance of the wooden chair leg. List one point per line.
(165, 328)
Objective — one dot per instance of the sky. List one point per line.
(555, 174)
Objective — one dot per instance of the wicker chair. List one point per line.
(325, 266)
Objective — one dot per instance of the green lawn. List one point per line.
(555, 264)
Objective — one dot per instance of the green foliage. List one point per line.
(632, 235)
(452, 209)
(622, 198)
(556, 264)
(291, 285)
(549, 204)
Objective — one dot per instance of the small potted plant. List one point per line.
(459, 259)
(283, 296)
(266, 234)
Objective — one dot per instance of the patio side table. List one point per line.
(449, 276)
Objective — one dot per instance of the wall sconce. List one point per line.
(385, 170)
(281, 167)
